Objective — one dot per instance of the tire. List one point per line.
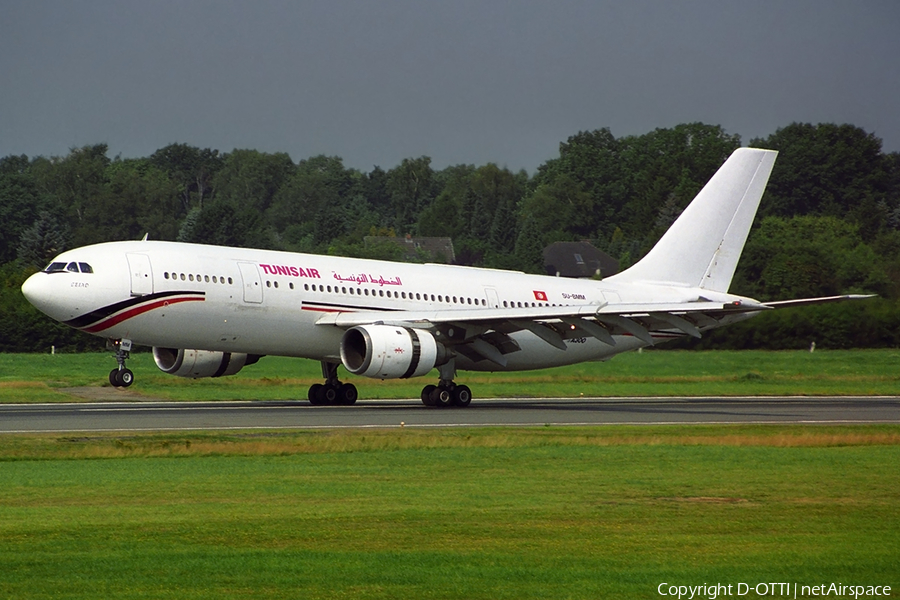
(114, 378)
(427, 391)
(347, 394)
(462, 396)
(442, 397)
(329, 394)
(314, 394)
(125, 377)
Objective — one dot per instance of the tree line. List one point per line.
(829, 222)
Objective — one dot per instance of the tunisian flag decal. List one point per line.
(542, 296)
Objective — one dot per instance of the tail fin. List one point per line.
(702, 247)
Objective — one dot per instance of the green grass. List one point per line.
(605, 512)
(40, 378)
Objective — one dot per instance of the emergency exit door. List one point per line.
(141, 274)
(252, 284)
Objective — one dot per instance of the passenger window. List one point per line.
(206, 278)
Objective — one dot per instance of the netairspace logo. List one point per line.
(777, 589)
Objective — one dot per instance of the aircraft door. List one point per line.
(492, 298)
(141, 274)
(252, 284)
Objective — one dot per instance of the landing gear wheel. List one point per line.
(315, 393)
(442, 397)
(427, 393)
(126, 377)
(347, 394)
(328, 394)
(462, 396)
(121, 377)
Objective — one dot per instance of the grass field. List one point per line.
(545, 512)
(604, 512)
(44, 378)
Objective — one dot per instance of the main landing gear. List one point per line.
(121, 376)
(332, 391)
(446, 393)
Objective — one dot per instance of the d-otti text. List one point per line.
(776, 589)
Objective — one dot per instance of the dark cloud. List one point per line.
(473, 82)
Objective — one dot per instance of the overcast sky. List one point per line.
(461, 81)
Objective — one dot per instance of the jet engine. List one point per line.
(201, 363)
(390, 352)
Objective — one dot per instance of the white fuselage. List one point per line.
(238, 300)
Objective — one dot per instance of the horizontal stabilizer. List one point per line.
(822, 300)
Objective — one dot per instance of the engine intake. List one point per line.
(390, 352)
(201, 363)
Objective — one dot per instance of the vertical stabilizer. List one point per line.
(702, 247)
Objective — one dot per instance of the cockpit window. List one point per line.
(55, 267)
(72, 267)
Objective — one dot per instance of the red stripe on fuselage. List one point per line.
(137, 310)
(328, 310)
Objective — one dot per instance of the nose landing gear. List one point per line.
(121, 376)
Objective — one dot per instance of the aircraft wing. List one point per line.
(484, 333)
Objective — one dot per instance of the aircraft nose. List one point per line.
(36, 290)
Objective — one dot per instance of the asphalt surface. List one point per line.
(176, 416)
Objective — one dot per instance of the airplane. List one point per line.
(209, 311)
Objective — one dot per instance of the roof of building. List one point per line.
(578, 259)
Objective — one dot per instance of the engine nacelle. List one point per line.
(390, 352)
(200, 363)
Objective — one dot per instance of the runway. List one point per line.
(181, 416)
